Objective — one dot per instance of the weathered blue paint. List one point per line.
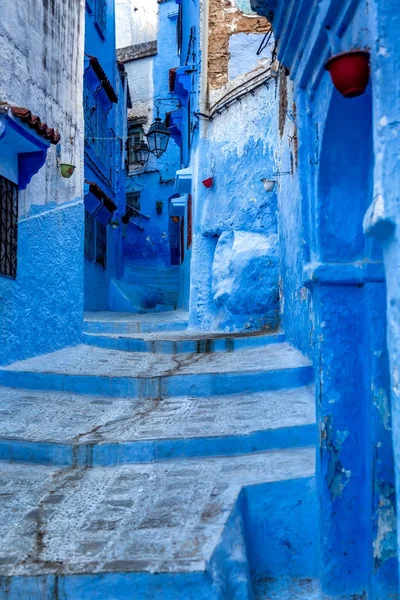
(177, 345)
(117, 453)
(30, 325)
(237, 289)
(42, 308)
(104, 149)
(154, 247)
(281, 530)
(333, 281)
(203, 384)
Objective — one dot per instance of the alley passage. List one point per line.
(147, 446)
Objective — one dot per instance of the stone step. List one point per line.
(113, 322)
(173, 342)
(99, 371)
(174, 529)
(65, 429)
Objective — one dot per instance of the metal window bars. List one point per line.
(8, 227)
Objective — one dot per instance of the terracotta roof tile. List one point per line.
(34, 122)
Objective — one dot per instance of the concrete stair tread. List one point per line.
(101, 362)
(126, 322)
(155, 518)
(65, 418)
(108, 316)
(178, 336)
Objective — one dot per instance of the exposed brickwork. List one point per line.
(225, 20)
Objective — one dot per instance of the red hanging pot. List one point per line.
(349, 72)
(208, 183)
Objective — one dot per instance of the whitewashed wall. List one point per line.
(41, 68)
(136, 21)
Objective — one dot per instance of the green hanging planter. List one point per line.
(67, 170)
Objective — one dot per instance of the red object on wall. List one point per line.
(349, 72)
(189, 222)
(208, 183)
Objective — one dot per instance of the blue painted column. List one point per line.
(384, 579)
(344, 462)
(355, 477)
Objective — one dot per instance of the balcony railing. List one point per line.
(98, 136)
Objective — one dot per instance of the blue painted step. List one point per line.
(182, 342)
(63, 429)
(89, 370)
(175, 530)
(109, 322)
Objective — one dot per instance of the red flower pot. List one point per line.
(208, 183)
(349, 72)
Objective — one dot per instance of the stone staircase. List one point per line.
(155, 463)
(146, 289)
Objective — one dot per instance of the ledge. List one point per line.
(183, 181)
(137, 51)
(341, 274)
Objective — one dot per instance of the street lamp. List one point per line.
(159, 134)
(141, 153)
(158, 137)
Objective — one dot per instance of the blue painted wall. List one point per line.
(155, 182)
(41, 310)
(30, 325)
(235, 259)
(102, 45)
(334, 284)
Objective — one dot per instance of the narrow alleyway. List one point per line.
(138, 462)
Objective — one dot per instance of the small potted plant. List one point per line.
(159, 207)
(349, 72)
(66, 170)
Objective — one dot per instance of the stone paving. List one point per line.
(161, 517)
(88, 360)
(181, 454)
(62, 417)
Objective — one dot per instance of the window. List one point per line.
(135, 136)
(133, 200)
(101, 244)
(89, 235)
(8, 227)
(101, 17)
(98, 136)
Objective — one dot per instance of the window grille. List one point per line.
(101, 244)
(89, 236)
(101, 17)
(133, 200)
(98, 136)
(8, 227)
